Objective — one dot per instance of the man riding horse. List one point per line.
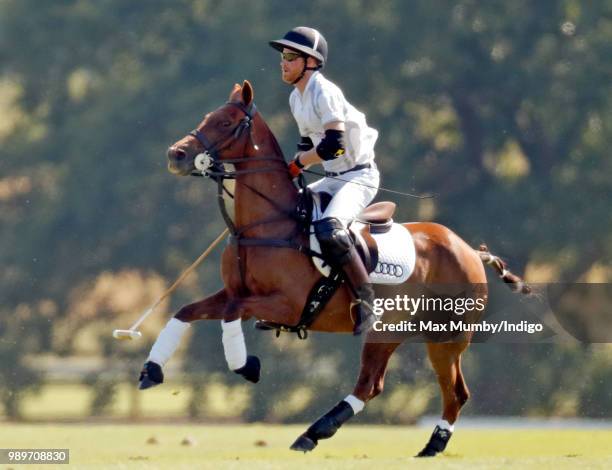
(264, 267)
(336, 135)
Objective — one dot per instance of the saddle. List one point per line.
(379, 215)
(374, 219)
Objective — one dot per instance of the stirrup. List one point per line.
(264, 325)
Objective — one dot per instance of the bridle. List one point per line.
(213, 150)
(215, 170)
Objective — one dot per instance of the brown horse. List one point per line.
(271, 281)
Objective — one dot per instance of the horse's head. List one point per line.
(222, 135)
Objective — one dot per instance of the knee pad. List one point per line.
(334, 239)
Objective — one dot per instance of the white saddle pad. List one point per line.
(396, 253)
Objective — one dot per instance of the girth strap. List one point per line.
(319, 296)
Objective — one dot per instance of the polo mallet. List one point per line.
(133, 333)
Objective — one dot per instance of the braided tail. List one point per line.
(514, 282)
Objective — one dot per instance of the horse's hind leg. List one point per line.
(461, 389)
(446, 361)
(210, 308)
(374, 359)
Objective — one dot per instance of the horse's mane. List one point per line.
(275, 144)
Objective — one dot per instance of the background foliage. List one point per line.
(502, 109)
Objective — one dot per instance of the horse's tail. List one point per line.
(514, 282)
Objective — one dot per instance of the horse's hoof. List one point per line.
(437, 442)
(303, 444)
(427, 452)
(251, 369)
(150, 376)
(147, 383)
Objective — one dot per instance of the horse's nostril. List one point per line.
(176, 154)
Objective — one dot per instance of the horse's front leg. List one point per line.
(374, 359)
(210, 308)
(274, 307)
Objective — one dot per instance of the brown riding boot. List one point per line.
(361, 308)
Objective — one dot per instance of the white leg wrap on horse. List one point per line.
(355, 403)
(443, 424)
(234, 346)
(167, 341)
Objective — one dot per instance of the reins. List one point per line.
(392, 191)
(218, 173)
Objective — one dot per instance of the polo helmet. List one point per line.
(306, 40)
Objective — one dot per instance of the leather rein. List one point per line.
(219, 174)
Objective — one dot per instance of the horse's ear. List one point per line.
(247, 93)
(235, 93)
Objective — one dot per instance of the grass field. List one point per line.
(266, 447)
(71, 401)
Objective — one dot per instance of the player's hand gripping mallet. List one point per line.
(133, 333)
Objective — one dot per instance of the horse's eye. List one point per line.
(226, 123)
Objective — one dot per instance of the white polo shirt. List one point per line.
(323, 102)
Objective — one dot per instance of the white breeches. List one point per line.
(348, 199)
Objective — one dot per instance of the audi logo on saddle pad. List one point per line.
(390, 269)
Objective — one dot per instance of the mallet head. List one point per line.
(126, 334)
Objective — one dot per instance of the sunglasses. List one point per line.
(290, 56)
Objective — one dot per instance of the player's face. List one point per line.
(291, 64)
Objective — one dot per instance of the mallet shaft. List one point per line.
(185, 273)
(188, 271)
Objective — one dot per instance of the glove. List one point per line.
(295, 167)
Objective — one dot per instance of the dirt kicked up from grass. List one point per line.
(263, 446)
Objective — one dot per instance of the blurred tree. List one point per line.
(502, 109)
(17, 377)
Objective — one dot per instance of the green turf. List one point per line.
(236, 446)
(62, 401)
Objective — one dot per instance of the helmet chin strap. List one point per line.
(304, 71)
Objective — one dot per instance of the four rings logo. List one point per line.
(389, 269)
